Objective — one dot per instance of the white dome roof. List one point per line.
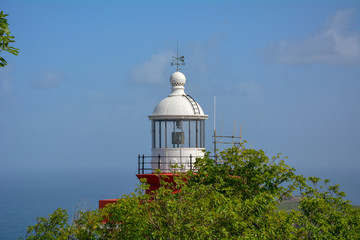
(178, 104)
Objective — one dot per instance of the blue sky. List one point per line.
(90, 72)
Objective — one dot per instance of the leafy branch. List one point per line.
(6, 39)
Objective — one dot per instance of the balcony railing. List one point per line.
(148, 164)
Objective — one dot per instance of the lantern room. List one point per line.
(177, 129)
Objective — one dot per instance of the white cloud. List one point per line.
(49, 79)
(152, 71)
(333, 44)
(199, 56)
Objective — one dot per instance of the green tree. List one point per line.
(236, 197)
(5, 39)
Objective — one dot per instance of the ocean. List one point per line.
(27, 195)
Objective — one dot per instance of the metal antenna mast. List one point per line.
(178, 61)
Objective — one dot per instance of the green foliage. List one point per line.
(325, 214)
(245, 173)
(236, 197)
(53, 227)
(5, 39)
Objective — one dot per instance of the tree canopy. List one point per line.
(6, 39)
(235, 197)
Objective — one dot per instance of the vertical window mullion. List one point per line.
(153, 133)
(189, 134)
(174, 123)
(165, 134)
(182, 133)
(159, 134)
(197, 133)
(203, 133)
(200, 133)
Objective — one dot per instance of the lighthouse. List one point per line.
(177, 133)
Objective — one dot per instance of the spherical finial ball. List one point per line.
(177, 79)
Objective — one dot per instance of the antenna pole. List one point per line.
(178, 60)
(241, 132)
(214, 113)
(222, 125)
(215, 129)
(233, 136)
(177, 56)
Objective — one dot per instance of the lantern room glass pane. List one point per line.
(186, 129)
(178, 133)
(162, 134)
(157, 135)
(153, 134)
(177, 136)
(192, 139)
(169, 129)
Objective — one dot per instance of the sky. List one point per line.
(90, 72)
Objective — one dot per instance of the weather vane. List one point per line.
(178, 61)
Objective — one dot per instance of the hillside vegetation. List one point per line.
(235, 197)
(293, 203)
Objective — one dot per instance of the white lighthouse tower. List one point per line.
(177, 133)
(177, 128)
